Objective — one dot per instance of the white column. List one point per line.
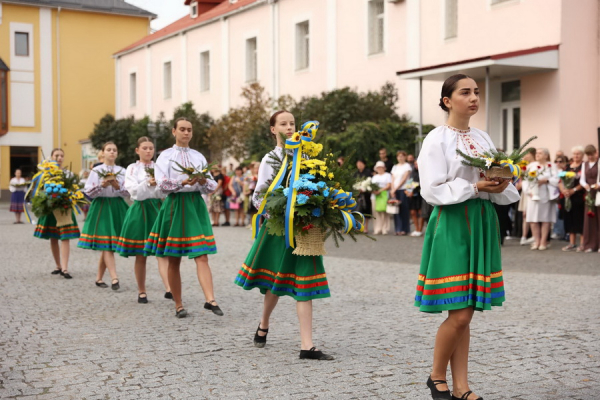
(331, 44)
(184, 93)
(118, 87)
(46, 82)
(148, 89)
(224, 64)
(275, 47)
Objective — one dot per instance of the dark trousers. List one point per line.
(402, 219)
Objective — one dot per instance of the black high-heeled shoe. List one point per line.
(438, 394)
(260, 341)
(213, 307)
(314, 354)
(142, 300)
(465, 396)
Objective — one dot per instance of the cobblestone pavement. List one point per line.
(67, 339)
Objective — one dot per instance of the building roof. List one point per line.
(3, 66)
(104, 6)
(186, 23)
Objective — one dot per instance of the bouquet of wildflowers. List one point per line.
(195, 172)
(149, 172)
(498, 164)
(314, 202)
(567, 178)
(108, 175)
(366, 185)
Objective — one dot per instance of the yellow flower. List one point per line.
(323, 174)
(570, 174)
(312, 171)
(508, 160)
(533, 173)
(331, 176)
(323, 168)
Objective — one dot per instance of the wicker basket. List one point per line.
(499, 172)
(311, 244)
(63, 218)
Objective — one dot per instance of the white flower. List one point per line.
(488, 162)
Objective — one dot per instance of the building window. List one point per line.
(22, 44)
(451, 19)
(511, 91)
(3, 102)
(205, 71)
(251, 60)
(302, 46)
(194, 9)
(167, 79)
(376, 26)
(132, 89)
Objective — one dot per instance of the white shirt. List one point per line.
(547, 191)
(93, 186)
(16, 181)
(584, 168)
(382, 180)
(170, 181)
(398, 172)
(137, 182)
(444, 179)
(266, 173)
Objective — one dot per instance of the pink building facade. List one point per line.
(536, 61)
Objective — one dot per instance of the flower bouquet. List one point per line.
(590, 205)
(497, 164)
(108, 175)
(567, 178)
(313, 205)
(194, 172)
(149, 172)
(59, 193)
(23, 185)
(366, 185)
(411, 185)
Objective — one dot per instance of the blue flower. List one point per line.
(302, 199)
(48, 189)
(63, 190)
(286, 192)
(316, 212)
(307, 176)
(312, 186)
(299, 184)
(55, 189)
(562, 174)
(326, 193)
(321, 185)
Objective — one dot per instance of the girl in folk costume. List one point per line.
(17, 197)
(106, 186)
(183, 226)
(273, 269)
(147, 196)
(461, 268)
(46, 229)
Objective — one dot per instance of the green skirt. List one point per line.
(46, 228)
(103, 224)
(461, 264)
(272, 266)
(182, 228)
(137, 226)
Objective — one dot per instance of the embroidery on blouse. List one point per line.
(457, 130)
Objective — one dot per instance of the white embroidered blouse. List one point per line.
(170, 181)
(93, 186)
(444, 179)
(13, 185)
(137, 182)
(266, 173)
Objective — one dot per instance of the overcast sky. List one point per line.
(167, 11)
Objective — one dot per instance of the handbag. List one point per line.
(392, 208)
(233, 204)
(381, 201)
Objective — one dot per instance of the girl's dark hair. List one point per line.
(180, 119)
(55, 150)
(401, 152)
(143, 139)
(273, 119)
(107, 143)
(239, 168)
(362, 160)
(449, 87)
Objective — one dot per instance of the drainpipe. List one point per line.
(420, 144)
(487, 100)
(58, 108)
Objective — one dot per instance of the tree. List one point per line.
(118, 131)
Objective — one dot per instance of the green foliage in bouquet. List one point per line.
(495, 158)
(194, 172)
(60, 190)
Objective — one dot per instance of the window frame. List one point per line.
(373, 23)
(445, 34)
(205, 71)
(167, 94)
(251, 60)
(26, 43)
(133, 89)
(302, 41)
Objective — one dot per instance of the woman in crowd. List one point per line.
(226, 195)
(384, 180)
(465, 226)
(46, 229)
(102, 229)
(236, 188)
(182, 228)
(414, 201)
(522, 207)
(272, 267)
(364, 197)
(558, 230)
(589, 181)
(17, 197)
(249, 187)
(575, 216)
(216, 203)
(541, 209)
(147, 200)
(401, 174)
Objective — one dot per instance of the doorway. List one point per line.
(25, 159)
(511, 115)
